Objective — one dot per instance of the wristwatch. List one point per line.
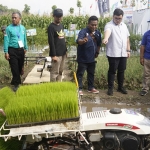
(128, 50)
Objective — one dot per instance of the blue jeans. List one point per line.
(90, 68)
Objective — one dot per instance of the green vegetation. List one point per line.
(13, 144)
(133, 73)
(43, 102)
(5, 73)
(41, 24)
(135, 41)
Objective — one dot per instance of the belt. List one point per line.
(17, 48)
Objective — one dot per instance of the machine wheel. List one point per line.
(98, 146)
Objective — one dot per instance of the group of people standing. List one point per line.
(116, 38)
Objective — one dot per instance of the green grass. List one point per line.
(43, 102)
(5, 73)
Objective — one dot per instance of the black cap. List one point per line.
(58, 12)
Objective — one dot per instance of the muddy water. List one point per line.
(133, 101)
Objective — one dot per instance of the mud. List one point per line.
(101, 101)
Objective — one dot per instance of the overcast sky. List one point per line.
(41, 6)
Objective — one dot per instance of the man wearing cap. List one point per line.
(145, 62)
(15, 47)
(57, 45)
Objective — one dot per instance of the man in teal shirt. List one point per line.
(15, 47)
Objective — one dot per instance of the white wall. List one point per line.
(140, 19)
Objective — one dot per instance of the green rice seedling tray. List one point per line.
(43, 103)
(41, 123)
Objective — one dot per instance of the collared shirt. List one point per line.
(117, 42)
(86, 52)
(146, 43)
(13, 35)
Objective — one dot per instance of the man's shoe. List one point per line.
(93, 91)
(110, 92)
(143, 93)
(122, 90)
(80, 92)
(15, 88)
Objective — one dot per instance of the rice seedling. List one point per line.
(43, 102)
(5, 96)
(12, 144)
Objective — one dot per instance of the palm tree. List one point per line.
(71, 10)
(79, 5)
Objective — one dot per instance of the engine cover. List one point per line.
(110, 141)
(129, 142)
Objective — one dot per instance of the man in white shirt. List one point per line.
(116, 38)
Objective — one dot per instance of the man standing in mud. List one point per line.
(145, 62)
(89, 41)
(15, 47)
(57, 46)
(116, 38)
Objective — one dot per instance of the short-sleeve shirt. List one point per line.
(86, 52)
(117, 42)
(146, 43)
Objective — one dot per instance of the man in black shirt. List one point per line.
(57, 45)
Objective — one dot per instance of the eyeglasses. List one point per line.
(116, 18)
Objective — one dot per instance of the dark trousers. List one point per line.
(16, 62)
(116, 64)
(90, 68)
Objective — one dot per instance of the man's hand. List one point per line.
(25, 51)
(105, 41)
(142, 61)
(2, 112)
(7, 56)
(96, 55)
(128, 54)
(82, 41)
(55, 58)
(85, 40)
